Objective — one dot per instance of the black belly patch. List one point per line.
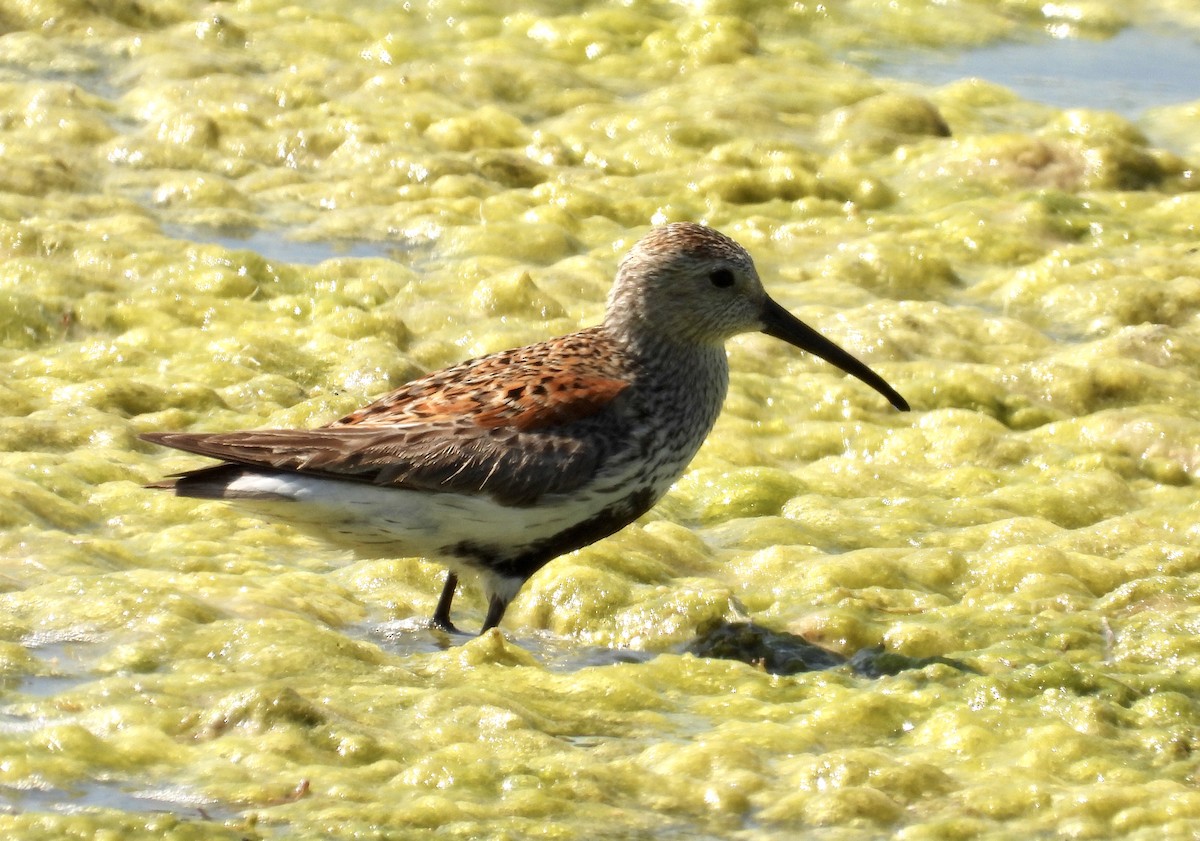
(524, 561)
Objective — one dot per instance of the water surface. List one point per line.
(1134, 70)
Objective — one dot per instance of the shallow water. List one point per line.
(1134, 70)
(251, 214)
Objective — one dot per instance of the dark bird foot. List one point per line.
(441, 613)
(445, 626)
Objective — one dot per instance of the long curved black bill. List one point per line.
(781, 324)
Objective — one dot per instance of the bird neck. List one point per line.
(686, 374)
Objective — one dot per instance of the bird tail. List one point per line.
(210, 483)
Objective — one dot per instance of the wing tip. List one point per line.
(185, 441)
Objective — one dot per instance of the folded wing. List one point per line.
(515, 425)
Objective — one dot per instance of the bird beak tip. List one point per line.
(781, 324)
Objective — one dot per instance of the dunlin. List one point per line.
(498, 465)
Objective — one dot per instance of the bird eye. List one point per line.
(721, 278)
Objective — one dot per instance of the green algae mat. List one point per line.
(226, 215)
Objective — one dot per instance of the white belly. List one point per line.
(386, 522)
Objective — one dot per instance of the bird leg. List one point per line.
(495, 612)
(441, 613)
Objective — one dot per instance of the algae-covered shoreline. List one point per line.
(216, 216)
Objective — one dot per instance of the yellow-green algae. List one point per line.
(1027, 277)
